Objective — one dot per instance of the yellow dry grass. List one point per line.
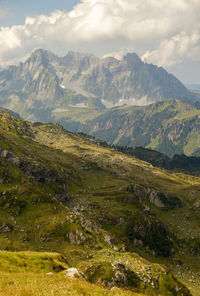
(41, 284)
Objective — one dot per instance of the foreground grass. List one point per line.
(42, 284)
(31, 262)
(42, 274)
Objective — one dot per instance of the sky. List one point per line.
(165, 33)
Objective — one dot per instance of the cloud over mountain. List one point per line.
(165, 32)
(173, 50)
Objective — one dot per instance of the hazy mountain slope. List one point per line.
(57, 190)
(171, 127)
(196, 93)
(46, 85)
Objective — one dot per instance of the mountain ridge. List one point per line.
(46, 82)
(171, 126)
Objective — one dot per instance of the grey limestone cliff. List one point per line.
(46, 82)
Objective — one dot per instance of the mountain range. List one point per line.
(46, 84)
(82, 202)
(94, 96)
(56, 195)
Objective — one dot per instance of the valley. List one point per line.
(99, 148)
(57, 191)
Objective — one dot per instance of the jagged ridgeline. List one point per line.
(118, 220)
(81, 92)
(47, 86)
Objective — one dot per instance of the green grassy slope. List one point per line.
(171, 127)
(62, 192)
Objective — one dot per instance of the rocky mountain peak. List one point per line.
(39, 56)
(133, 59)
(107, 82)
(77, 56)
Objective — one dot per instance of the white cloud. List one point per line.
(174, 50)
(118, 55)
(170, 25)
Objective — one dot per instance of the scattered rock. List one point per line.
(6, 228)
(11, 157)
(62, 197)
(39, 174)
(139, 191)
(163, 201)
(112, 274)
(158, 199)
(72, 273)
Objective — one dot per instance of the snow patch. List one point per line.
(60, 110)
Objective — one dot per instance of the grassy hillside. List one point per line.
(171, 127)
(42, 274)
(45, 285)
(178, 163)
(64, 193)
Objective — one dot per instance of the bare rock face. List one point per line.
(11, 157)
(163, 201)
(44, 80)
(158, 199)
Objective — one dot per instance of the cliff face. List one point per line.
(46, 82)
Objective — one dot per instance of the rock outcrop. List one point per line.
(151, 233)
